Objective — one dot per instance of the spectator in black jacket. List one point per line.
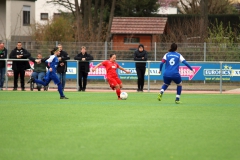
(62, 66)
(83, 68)
(3, 55)
(19, 67)
(140, 55)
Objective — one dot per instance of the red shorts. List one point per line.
(113, 81)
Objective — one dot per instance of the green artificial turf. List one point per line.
(91, 125)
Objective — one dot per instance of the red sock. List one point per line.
(118, 92)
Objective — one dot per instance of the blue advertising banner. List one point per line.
(71, 70)
(202, 71)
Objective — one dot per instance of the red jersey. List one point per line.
(111, 68)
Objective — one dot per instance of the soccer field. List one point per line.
(94, 125)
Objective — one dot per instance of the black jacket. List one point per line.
(83, 65)
(3, 55)
(20, 64)
(138, 57)
(64, 56)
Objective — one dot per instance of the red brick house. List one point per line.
(128, 32)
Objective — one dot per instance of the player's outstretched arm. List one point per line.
(161, 65)
(185, 62)
(127, 71)
(94, 69)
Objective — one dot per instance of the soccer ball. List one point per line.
(124, 95)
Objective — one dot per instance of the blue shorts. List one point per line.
(168, 80)
(51, 76)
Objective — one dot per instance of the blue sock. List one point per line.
(164, 87)
(179, 90)
(60, 89)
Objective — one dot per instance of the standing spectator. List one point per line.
(83, 68)
(3, 55)
(112, 77)
(62, 65)
(51, 73)
(172, 60)
(19, 67)
(39, 70)
(140, 55)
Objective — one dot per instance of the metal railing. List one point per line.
(102, 50)
(148, 67)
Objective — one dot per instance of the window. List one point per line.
(44, 16)
(56, 15)
(131, 40)
(26, 15)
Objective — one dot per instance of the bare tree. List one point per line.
(204, 19)
(100, 21)
(95, 17)
(85, 14)
(184, 30)
(90, 17)
(110, 20)
(65, 3)
(78, 20)
(213, 7)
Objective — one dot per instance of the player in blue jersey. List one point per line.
(51, 73)
(172, 60)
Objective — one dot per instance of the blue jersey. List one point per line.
(172, 60)
(53, 60)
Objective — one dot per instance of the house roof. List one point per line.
(138, 25)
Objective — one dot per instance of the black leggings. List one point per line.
(22, 75)
(82, 79)
(140, 74)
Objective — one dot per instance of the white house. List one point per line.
(16, 18)
(166, 7)
(167, 10)
(45, 11)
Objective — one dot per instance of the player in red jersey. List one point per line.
(111, 68)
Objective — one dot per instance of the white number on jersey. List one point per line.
(172, 62)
